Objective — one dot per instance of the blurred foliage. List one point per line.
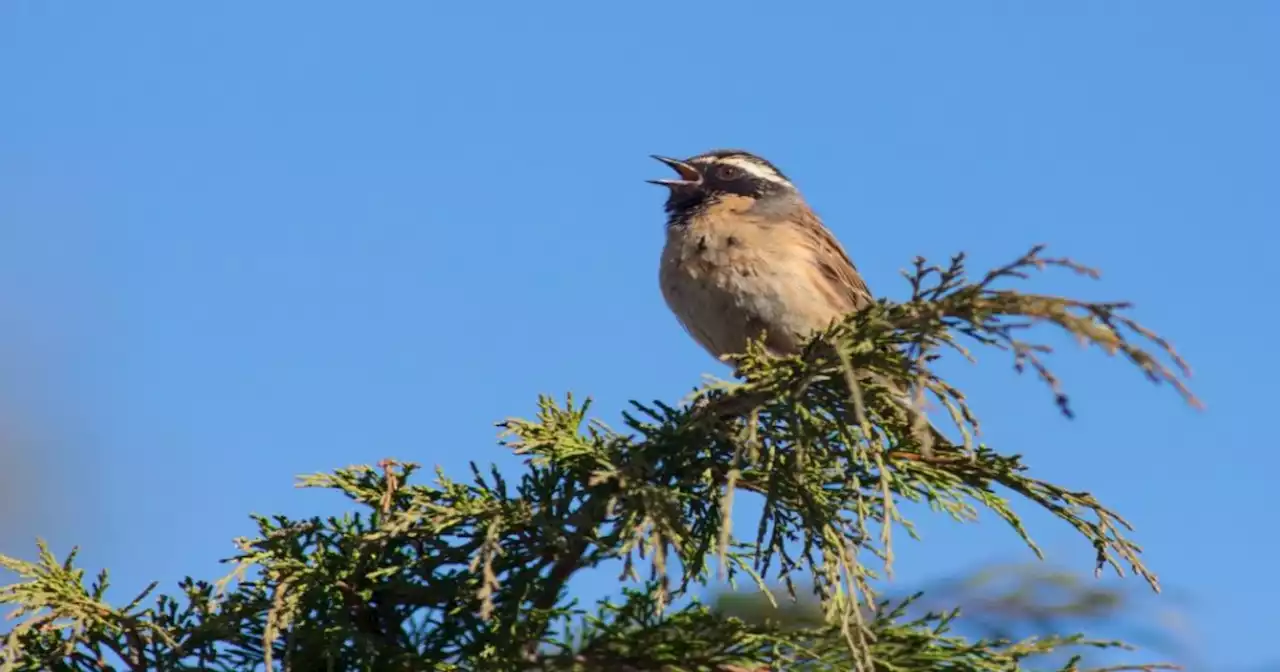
(1011, 602)
(475, 574)
(37, 473)
(1016, 601)
(18, 468)
(1022, 600)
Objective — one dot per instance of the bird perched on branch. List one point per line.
(745, 255)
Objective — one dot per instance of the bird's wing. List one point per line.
(833, 262)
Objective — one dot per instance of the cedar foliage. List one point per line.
(473, 574)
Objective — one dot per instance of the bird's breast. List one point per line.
(729, 276)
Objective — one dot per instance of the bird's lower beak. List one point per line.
(688, 174)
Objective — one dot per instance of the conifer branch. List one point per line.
(472, 575)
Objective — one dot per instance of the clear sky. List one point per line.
(244, 241)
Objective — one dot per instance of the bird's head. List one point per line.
(711, 176)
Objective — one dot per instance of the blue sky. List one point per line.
(244, 241)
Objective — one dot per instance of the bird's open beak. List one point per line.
(688, 174)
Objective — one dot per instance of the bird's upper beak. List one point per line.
(689, 175)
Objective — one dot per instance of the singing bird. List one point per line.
(745, 255)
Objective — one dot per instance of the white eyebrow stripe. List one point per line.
(755, 169)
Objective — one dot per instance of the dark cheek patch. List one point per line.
(686, 203)
(743, 186)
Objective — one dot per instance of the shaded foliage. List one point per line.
(473, 574)
(1010, 602)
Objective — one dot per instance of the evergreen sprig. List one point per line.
(473, 575)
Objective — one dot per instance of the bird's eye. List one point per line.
(728, 172)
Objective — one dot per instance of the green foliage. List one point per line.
(473, 575)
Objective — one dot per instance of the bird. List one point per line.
(746, 256)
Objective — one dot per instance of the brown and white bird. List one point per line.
(746, 255)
